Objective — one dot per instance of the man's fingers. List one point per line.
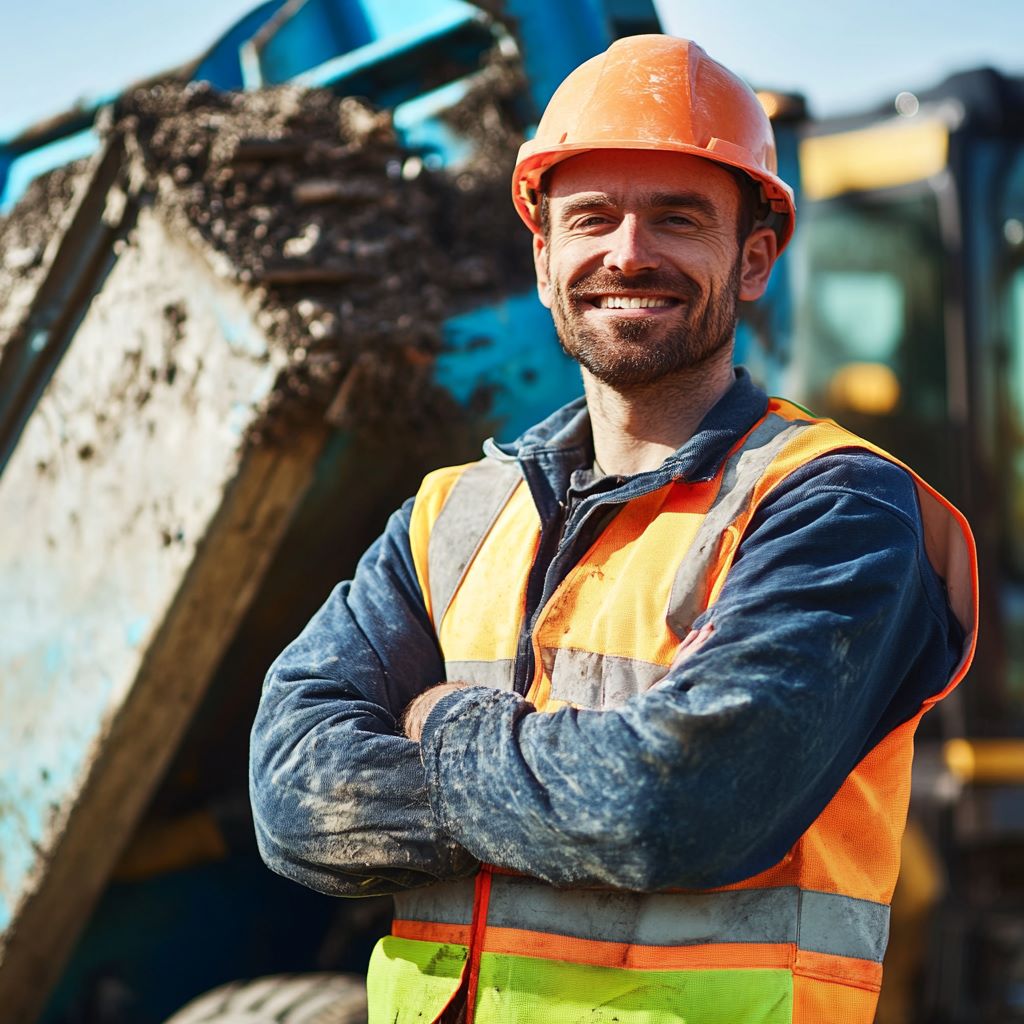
(692, 642)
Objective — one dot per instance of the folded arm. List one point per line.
(830, 630)
(338, 794)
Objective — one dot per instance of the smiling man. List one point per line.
(641, 287)
(623, 713)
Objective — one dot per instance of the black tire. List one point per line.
(281, 999)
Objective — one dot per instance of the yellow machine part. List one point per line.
(996, 762)
(883, 156)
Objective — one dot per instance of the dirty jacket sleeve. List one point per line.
(830, 630)
(338, 794)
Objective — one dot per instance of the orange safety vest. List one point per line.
(801, 942)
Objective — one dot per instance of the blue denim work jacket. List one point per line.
(831, 629)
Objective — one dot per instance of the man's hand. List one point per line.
(416, 713)
(692, 643)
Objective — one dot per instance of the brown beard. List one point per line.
(631, 354)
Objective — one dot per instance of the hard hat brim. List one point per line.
(535, 161)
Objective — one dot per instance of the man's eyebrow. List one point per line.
(656, 200)
(585, 202)
(684, 201)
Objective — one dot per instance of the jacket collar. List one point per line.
(563, 439)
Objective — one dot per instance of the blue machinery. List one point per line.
(420, 59)
(415, 57)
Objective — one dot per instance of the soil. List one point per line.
(24, 236)
(353, 250)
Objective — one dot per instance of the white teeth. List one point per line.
(631, 302)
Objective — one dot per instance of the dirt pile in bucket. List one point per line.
(25, 234)
(353, 250)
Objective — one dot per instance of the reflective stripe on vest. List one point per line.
(801, 942)
(820, 922)
(474, 503)
(743, 469)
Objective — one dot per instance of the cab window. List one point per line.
(869, 341)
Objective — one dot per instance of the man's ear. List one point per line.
(540, 266)
(759, 252)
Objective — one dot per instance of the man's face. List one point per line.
(642, 267)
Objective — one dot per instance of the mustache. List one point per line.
(654, 281)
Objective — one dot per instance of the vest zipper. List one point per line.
(458, 1009)
(481, 903)
(523, 669)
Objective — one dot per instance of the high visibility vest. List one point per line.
(800, 942)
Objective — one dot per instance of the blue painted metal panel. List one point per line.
(21, 161)
(767, 351)
(316, 32)
(510, 352)
(557, 37)
(398, 67)
(392, 17)
(221, 65)
(24, 169)
(6, 159)
(27, 154)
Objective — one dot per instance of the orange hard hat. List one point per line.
(655, 92)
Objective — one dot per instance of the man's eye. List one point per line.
(592, 220)
(678, 220)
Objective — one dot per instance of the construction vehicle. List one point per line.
(219, 373)
(909, 329)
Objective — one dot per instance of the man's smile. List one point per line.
(619, 301)
(630, 305)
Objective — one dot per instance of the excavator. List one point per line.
(908, 327)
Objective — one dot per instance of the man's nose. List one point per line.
(629, 249)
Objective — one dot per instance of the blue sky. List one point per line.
(847, 55)
(54, 51)
(841, 54)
